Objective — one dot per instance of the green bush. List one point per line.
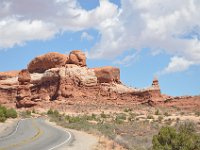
(103, 115)
(50, 112)
(157, 112)
(150, 117)
(2, 116)
(56, 113)
(7, 113)
(160, 118)
(33, 111)
(2, 119)
(166, 114)
(128, 109)
(197, 113)
(184, 138)
(11, 113)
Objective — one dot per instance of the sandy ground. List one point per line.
(7, 127)
(80, 140)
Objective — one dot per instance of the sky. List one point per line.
(144, 38)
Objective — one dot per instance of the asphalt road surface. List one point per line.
(35, 134)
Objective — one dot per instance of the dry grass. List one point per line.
(131, 128)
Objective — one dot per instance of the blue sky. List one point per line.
(143, 38)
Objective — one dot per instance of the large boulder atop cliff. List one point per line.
(47, 61)
(24, 76)
(77, 57)
(107, 74)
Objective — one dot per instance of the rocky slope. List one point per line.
(60, 78)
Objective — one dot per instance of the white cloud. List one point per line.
(177, 64)
(127, 60)
(17, 32)
(26, 20)
(86, 36)
(161, 26)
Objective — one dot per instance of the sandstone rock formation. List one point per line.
(8, 74)
(47, 61)
(107, 74)
(23, 96)
(77, 57)
(24, 77)
(54, 77)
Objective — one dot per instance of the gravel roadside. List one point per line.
(8, 127)
(80, 140)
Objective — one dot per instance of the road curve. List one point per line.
(35, 134)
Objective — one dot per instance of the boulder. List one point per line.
(47, 61)
(77, 57)
(24, 76)
(25, 103)
(107, 74)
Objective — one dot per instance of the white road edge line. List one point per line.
(62, 142)
(13, 131)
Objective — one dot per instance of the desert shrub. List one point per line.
(33, 111)
(56, 113)
(166, 114)
(7, 113)
(75, 119)
(170, 138)
(11, 113)
(160, 118)
(25, 114)
(128, 109)
(2, 116)
(28, 112)
(150, 117)
(50, 112)
(197, 113)
(103, 115)
(53, 113)
(157, 112)
(89, 117)
(169, 121)
(177, 120)
(120, 118)
(2, 119)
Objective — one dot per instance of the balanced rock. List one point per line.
(47, 61)
(155, 83)
(107, 74)
(77, 57)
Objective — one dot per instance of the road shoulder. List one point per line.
(80, 140)
(8, 127)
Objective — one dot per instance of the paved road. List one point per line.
(35, 134)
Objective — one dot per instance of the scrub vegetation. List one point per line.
(137, 130)
(6, 113)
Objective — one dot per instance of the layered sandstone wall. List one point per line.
(58, 77)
